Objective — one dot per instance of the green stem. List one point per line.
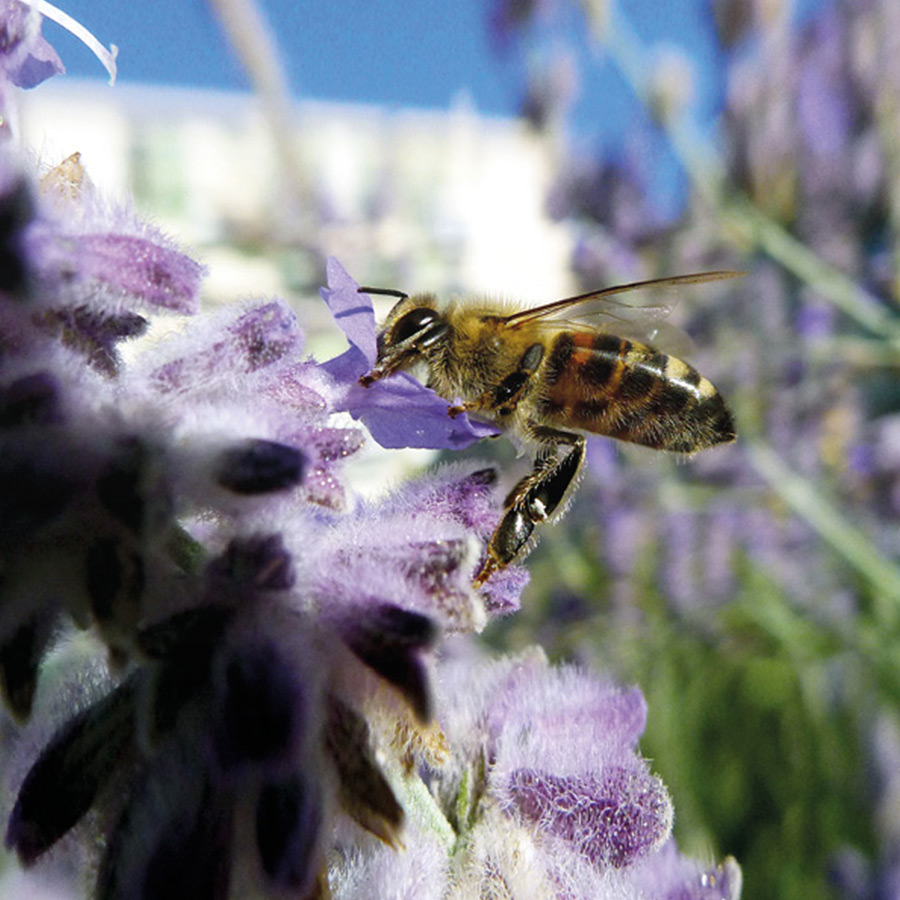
(188, 554)
(764, 234)
(856, 548)
(419, 801)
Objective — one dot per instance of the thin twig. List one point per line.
(850, 542)
(256, 46)
(106, 56)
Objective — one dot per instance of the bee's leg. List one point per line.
(504, 398)
(534, 499)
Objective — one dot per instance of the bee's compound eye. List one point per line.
(412, 324)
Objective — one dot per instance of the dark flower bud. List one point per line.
(20, 657)
(288, 826)
(115, 581)
(70, 773)
(260, 712)
(30, 400)
(364, 793)
(260, 561)
(34, 490)
(259, 467)
(174, 837)
(389, 639)
(16, 211)
(121, 487)
(179, 683)
(186, 646)
(187, 633)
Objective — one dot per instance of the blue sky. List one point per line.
(357, 50)
(393, 52)
(396, 53)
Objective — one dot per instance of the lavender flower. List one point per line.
(397, 411)
(188, 507)
(272, 649)
(547, 793)
(26, 58)
(266, 720)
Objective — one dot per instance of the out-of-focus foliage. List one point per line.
(753, 592)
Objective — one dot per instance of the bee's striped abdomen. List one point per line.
(610, 385)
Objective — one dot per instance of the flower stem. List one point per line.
(809, 502)
(256, 45)
(107, 57)
(763, 233)
(420, 801)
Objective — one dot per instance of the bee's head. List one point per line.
(412, 329)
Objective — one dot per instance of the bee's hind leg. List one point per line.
(534, 499)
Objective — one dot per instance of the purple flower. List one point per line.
(422, 543)
(398, 411)
(75, 245)
(670, 876)
(562, 752)
(543, 761)
(26, 59)
(188, 507)
(610, 819)
(267, 704)
(824, 88)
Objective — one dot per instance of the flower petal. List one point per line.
(352, 311)
(26, 58)
(398, 411)
(612, 818)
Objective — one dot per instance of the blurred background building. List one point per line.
(419, 200)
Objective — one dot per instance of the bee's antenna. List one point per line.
(386, 292)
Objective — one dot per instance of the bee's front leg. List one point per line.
(504, 398)
(534, 499)
(480, 403)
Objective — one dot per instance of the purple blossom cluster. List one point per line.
(536, 770)
(187, 507)
(280, 700)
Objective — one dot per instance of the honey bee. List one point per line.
(546, 376)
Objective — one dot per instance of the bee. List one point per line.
(547, 376)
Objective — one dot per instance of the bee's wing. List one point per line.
(604, 310)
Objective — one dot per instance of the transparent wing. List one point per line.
(633, 318)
